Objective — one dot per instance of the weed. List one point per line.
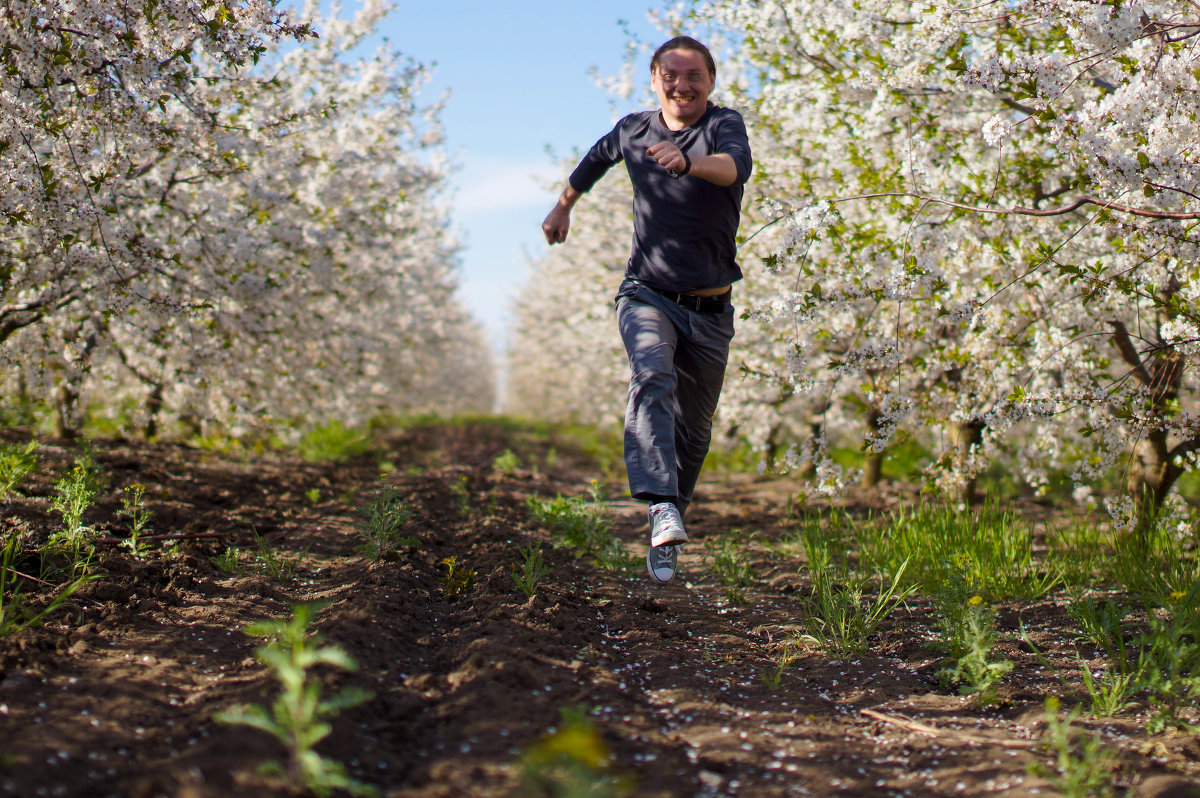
(269, 562)
(583, 527)
(462, 496)
(727, 560)
(456, 580)
(1169, 668)
(572, 761)
(16, 463)
(74, 497)
(218, 442)
(15, 615)
(75, 491)
(386, 517)
(1081, 767)
(228, 561)
(531, 570)
(773, 677)
(838, 618)
(1081, 549)
(836, 531)
(138, 514)
(313, 495)
(299, 717)
(613, 556)
(970, 636)
(1110, 691)
(505, 464)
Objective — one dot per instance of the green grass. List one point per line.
(990, 549)
(16, 463)
(726, 558)
(1090, 551)
(843, 612)
(1081, 766)
(333, 442)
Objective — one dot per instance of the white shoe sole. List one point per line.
(669, 539)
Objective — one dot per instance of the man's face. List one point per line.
(682, 82)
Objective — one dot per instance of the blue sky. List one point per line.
(519, 79)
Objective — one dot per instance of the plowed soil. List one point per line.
(117, 694)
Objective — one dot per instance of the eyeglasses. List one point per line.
(670, 78)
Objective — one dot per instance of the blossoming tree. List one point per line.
(987, 212)
(219, 225)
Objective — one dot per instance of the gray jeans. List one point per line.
(677, 363)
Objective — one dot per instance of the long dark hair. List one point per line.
(684, 43)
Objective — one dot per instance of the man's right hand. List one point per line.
(558, 221)
(557, 224)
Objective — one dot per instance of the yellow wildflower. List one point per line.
(975, 601)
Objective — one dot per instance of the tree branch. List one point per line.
(1017, 210)
(1129, 353)
(1186, 447)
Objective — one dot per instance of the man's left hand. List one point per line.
(668, 156)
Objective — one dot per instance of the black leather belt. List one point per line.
(700, 304)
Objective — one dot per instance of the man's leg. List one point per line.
(650, 340)
(700, 360)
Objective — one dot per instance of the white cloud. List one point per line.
(486, 185)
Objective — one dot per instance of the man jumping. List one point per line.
(688, 161)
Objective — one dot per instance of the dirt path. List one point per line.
(118, 698)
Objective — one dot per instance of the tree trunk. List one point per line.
(1152, 474)
(66, 410)
(154, 406)
(966, 436)
(872, 460)
(1152, 469)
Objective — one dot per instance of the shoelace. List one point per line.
(669, 520)
(662, 554)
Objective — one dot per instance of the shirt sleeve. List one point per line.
(731, 139)
(604, 154)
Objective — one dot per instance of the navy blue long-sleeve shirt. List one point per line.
(683, 229)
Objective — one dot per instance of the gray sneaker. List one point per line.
(666, 525)
(660, 562)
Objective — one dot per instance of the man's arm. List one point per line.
(558, 221)
(719, 169)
